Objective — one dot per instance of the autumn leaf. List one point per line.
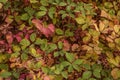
(47, 31)
(18, 36)
(9, 37)
(66, 45)
(46, 78)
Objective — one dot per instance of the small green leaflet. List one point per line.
(25, 42)
(65, 74)
(62, 4)
(60, 45)
(87, 75)
(59, 32)
(40, 14)
(24, 17)
(80, 20)
(33, 37)
(70, 57)
(78, 61)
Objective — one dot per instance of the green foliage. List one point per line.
(5, 74)
(87, 75)
(59, 40)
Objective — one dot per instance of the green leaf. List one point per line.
(108, 4)
(65, 74)
(40, 14)
(24, 17)
(38, 65)
(65, 63)
(56, 54)
(92, 79)
(97, 67)
(15, 55)
(59, 68)
(33, 52)
(45, 70)
(94, 33)
(42, 8)
(76, 67)
(59, 32)
(52, 47)
(4, 66)
(3, 1)
(33, 1)
(96, 73)
(70, 57)
(29, 10)
(62, 4)
(25, 42)
(24, 56)
(44, 2)
(68, 33)
(44, 46)
(51, 12)
(16, 48)
(87, 75)
(80, 20)
(38, 41)
(78, 61)
(64, 15)
(16, 74)
(70, 68)
(33, 37)
(5, 74)
(60, 45)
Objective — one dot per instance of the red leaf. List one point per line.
(18, 36)
(26, 2)
(2, 42)
(66, 45)
(46, 31)
(27, 36)
(9, 37)
(9, 50)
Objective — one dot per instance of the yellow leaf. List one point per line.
(116, 28)
(115, 73)
(101, 26)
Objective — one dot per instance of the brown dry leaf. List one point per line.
(105, 14)
(9, 37)
(116, 28)
(75, 47)
(101, 26)
(86, 47)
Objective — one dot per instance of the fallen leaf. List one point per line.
(66, 45)
(9, 37)
(101, 26)
(18, 36)
(105, 14)
(46, 78)
(47, 31)
(115, 73)
(75, 47)
(2, 42)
